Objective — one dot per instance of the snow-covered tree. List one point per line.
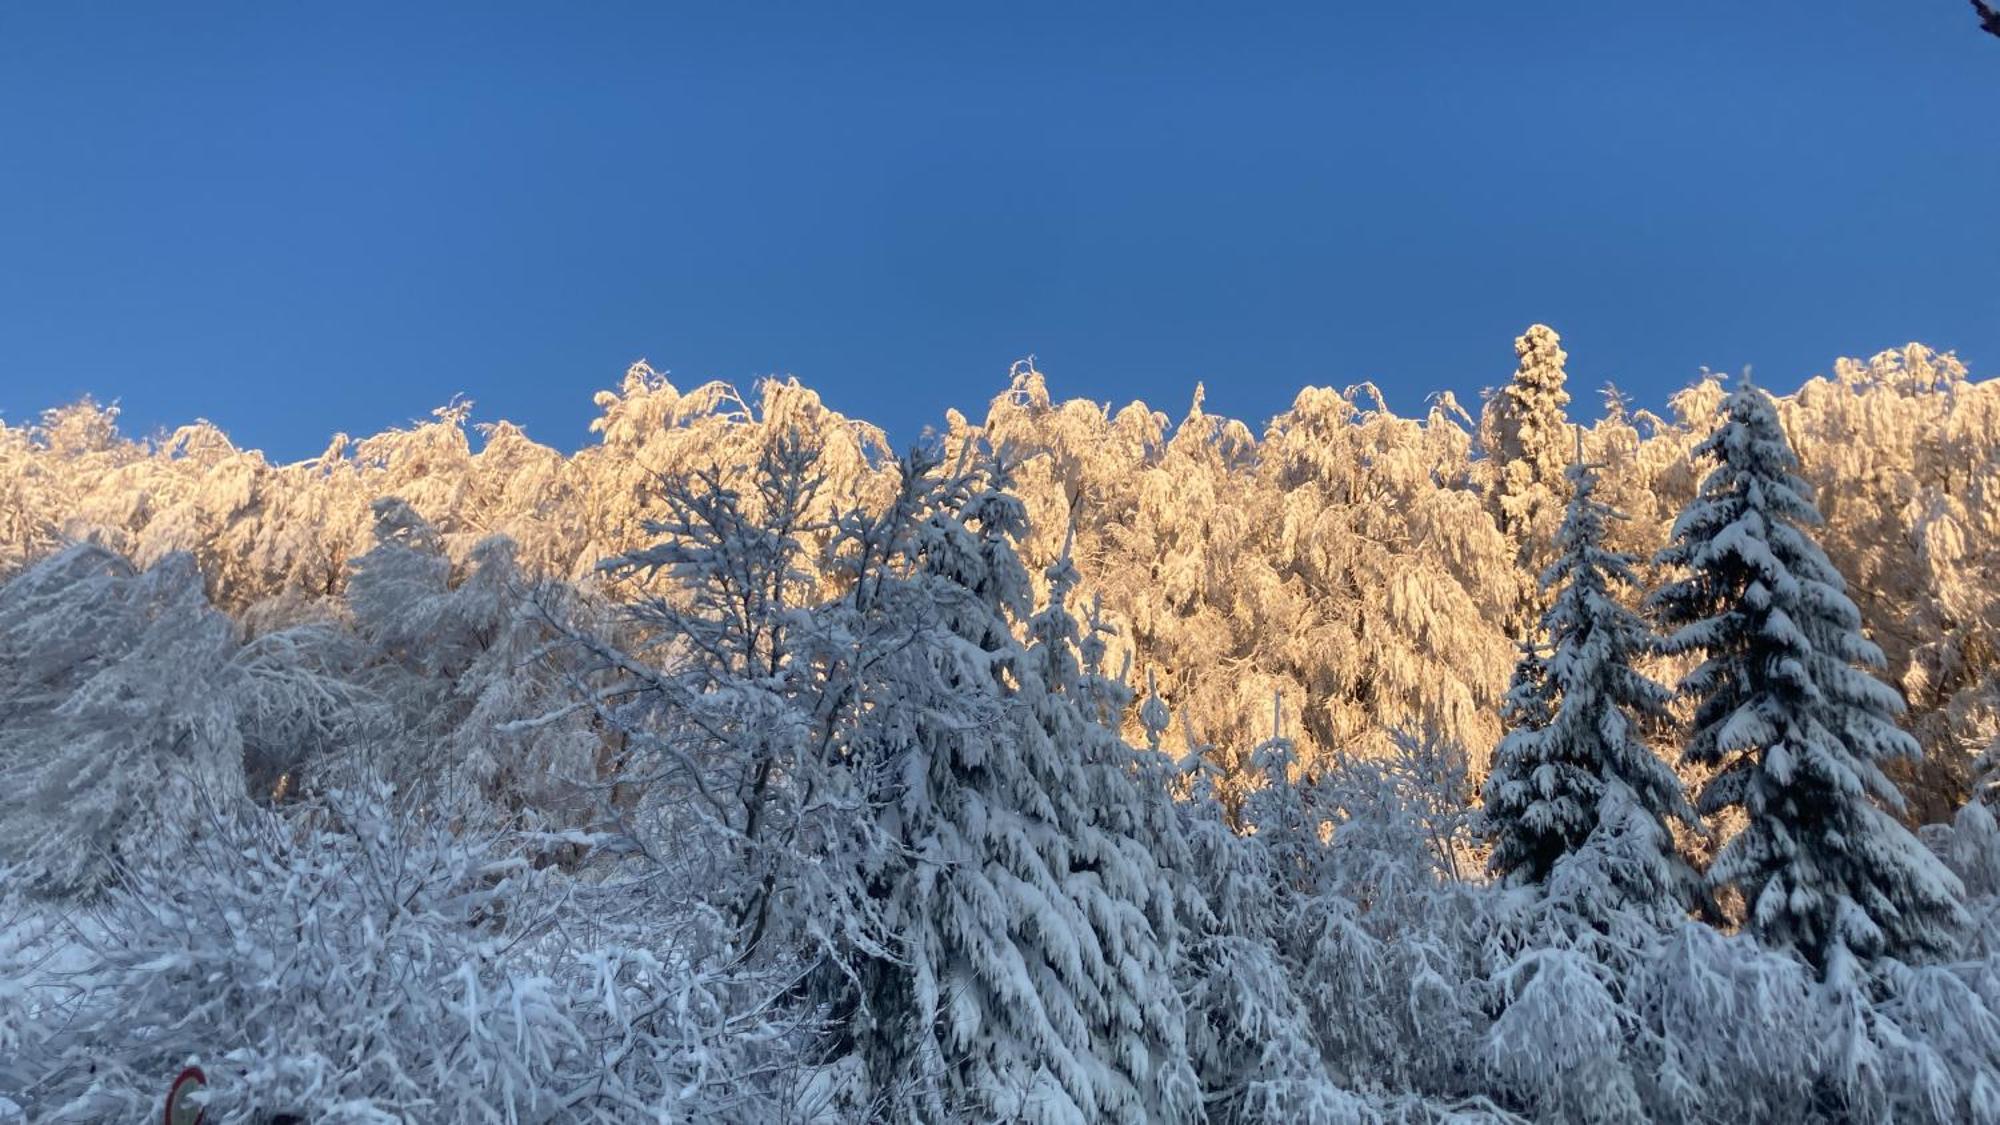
(1584, 711)
(1525, 437)
(1392, 961)
(729, 726)
(1901, 450)
(466, 658)
(652, 432)
(1021, 987)
(1250, 1037)
(1335, 975)
(1788, 717)
(115, 711)
(27, 527)
(1128, 840)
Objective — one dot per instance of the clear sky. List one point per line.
(294, 219)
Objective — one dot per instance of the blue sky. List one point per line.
(298, 219)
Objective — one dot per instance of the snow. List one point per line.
(1079, 765)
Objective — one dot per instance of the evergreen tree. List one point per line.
(1253, 1034)
(1128, 840)
(1525, 437)
(1580, 715)
(1787, 715)
(1027, 983)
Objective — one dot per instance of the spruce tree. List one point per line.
(1127, 838)
(1524, 434)
(1028, 982)
(1576, 758)
(1789, 716)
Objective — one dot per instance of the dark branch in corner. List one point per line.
(1989, 16)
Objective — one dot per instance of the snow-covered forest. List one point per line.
(1540, 759)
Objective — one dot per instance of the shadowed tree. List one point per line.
(1789, 716)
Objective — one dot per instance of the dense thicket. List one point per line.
(1079, 765)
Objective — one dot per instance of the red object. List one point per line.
(177, 1112)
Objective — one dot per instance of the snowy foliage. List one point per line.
(1081, 765)
(1578, 765)
(345, 962)
(1526, 437)
(737, 774)
(462, 658)
(1029, 981)
(1342, 555)
(114, 712)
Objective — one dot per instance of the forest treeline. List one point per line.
(1561, 763)
(1377, 571)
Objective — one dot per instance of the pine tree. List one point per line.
(1788, 716)
(1580, 713)
(1525, 437)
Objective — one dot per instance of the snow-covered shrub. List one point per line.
(1935, 1037)
(19, 958)
(1733, 1025)
(331, 961)
(304, 706)
(469, 662)
(116, 712)
(1970, 846)
(346, 962)
(1558, 1044)
(1404, 855)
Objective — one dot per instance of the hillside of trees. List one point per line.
(1562, 762)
